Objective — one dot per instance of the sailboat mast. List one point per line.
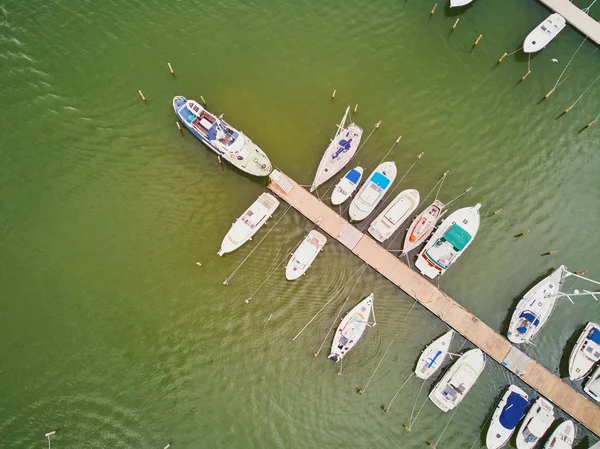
(342, 123)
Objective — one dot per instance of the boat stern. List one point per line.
(425, 267)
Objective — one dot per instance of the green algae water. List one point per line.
(112, 334)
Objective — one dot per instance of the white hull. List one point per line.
(586, 352)
(433, 356)
(562, 437)
(440, 253)
(351, 329)
(543, 34)
(455, 3)
(507, 415)
(458, 380)
(422, 226)
(372, 191)
(249, 223)
(536, 423)
(534, 308)
(592, 386)
(305, 255)
(396, 213)
(346, 187)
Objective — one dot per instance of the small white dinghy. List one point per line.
(422, 226)
(339, 152)
(507, 415)
(455, 3)
(351, 329)
(586, 352)
(346, 187)
(396, 213)
(372, 191)
(536, 423)
(249, 223)
(562, 437)
(452, 238)
(433, 356)
(544, 33)
(592, 386)
(305, 255)
(458, 380)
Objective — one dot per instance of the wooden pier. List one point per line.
(576, 18)
(437, 302)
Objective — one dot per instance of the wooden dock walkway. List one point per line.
(576, 18)
(437, 302)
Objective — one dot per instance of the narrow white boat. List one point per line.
(458, 380)
(544, 33)
(433, 356)
(346, 187)
(249, 223)
(536, 423)
(422, 226)
(305, 255)
(351, 329)
(595, 446)
(372, 191)
(455, 3)
(452, 238)
(562, 437)
(507, 415)
(535, 307)
(586, 352)
(339, 152)
(592, 386)
(396, 213)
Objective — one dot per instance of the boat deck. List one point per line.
(437, 302)
(576, 18)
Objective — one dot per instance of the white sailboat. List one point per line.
(305, 255)
(592, 386)
(586, 352)
(351, 329)
(536, 423)
(452, 238)
(249, 223)
(346, 187)
(507, 415)
(372, 191)
(544, 33)
(422, 226)
(458, 380)
(433, 356)
(455, 3)
(388, 221)
(339, 152)
(562, 437)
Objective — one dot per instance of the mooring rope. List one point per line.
(387, 409)
(446, 427)
(585, 91)
(415, 404)
(568, 63)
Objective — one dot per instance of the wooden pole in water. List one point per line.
(356, 107)
(581, 272)
(167, 446)
(524, 233)
(142, 95)
(398, 141)
(455, 23)
(50, 433)
(433, 9)
(550, 93)
(592, 123)
(333, 94)
(171, 69)
(496, 212)
(179, 127)
(219, 159)
(477, 41)
(569, 108)
(378, 123)
(203, 100)
(502, 57)
(550, 253)
(526, 75)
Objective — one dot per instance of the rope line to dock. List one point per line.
(415, 404)
(410, 424)
(586, 91)
(518, 49)
(447, 424)
(587, 9)
(387, 409)
(569, 63)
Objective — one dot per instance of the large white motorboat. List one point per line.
(339, 152)
(372, 191)
(351, 329)
(249, 223)
(458, 380)
(592, 386)
(586, 352)
(562, 437)
(433, 356)
(422, 226)
(396, 213)
(455, 3)
(507, 415)
(452, 238)
(536, 423)
(346, 187)
(305, 255)
(544, 33)
(222, 138)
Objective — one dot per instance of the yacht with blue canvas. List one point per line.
(586, 352)
(222, 138)
(372, 191)
(507, 415)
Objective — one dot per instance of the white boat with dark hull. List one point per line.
(305, 255)
(544, 33)
(372, 191)
(449, 242)
(592, 386)
(339, 152)
(396, 213)
(346, 187)
(351, 329)
(586, 352)
(562, 437)
(222, 138)
(456, 3)
(249, 223)
(422, 226)
(507, 415)
(433, 356)
(458, 380)
(536, 423)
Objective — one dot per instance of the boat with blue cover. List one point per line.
(507, 415)
(346, 187)
(433, 356)
(222, 138)
(586, 352)
(372, 191)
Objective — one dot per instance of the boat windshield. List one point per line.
(528, 436)
(247, 219)
(343, 342)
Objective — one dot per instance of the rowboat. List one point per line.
(586, 352)
(351, 329)
(433, 356)
(396, 213)
(592, 386)
(422, 226)
(562, 437)
(347, 185)
(305, 255)
(536, 423)
(507, 415)
(372, 191)
(544, 33)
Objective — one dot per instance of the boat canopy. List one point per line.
(457, 237)
(380, 180)
(513, 411)
(353, 176)
(594, 335)
(529, 316)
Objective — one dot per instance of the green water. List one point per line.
(114, 336)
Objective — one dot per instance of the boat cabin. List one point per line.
(591, 345)
(527, 320)
(377, 185)
(445, 249)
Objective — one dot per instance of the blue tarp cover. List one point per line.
(513, 411)
(594, 335)
(457, 237)
(353, 176)
(531, 318)
(380, 180)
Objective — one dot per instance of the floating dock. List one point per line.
(576, 18)
(437, 302)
